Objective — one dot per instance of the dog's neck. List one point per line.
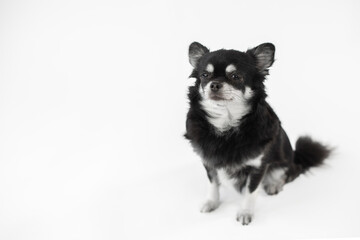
(224, 115)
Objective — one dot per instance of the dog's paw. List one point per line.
(209, 206)
(244, 218)
(273, 189)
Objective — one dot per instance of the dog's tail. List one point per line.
(309, 153)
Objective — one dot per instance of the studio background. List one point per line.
(93, 106)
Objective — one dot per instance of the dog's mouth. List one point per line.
(217, 97)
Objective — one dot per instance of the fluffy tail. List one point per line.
(309, 153)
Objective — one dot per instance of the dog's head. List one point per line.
(226, 76)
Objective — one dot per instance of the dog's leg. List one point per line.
(246, 213)
(274, 181)
(213, 198)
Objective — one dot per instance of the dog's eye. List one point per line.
(204, 75)
(235, 77)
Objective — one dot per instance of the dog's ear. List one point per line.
(264, 54)
(196, 51)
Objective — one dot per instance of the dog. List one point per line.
(235, 131)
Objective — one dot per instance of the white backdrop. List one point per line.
(93, 105)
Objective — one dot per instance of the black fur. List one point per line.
(259, 130)
(309, 153)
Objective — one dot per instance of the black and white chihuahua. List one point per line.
(234, 130)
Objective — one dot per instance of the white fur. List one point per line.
(230, 68)
(248, 203)
(246, 213)
(213, 191)
(225, 114)
(210, 68)
(213, 198)
(225, 179)
(255, 162)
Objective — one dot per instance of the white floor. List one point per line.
(96, 195)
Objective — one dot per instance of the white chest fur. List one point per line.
(226, 114)
(223, 116)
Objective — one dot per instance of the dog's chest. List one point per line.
(223, 117)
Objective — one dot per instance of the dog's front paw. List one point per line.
(244, 218)
(209, 206)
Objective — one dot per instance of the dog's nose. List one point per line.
(215, 86)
